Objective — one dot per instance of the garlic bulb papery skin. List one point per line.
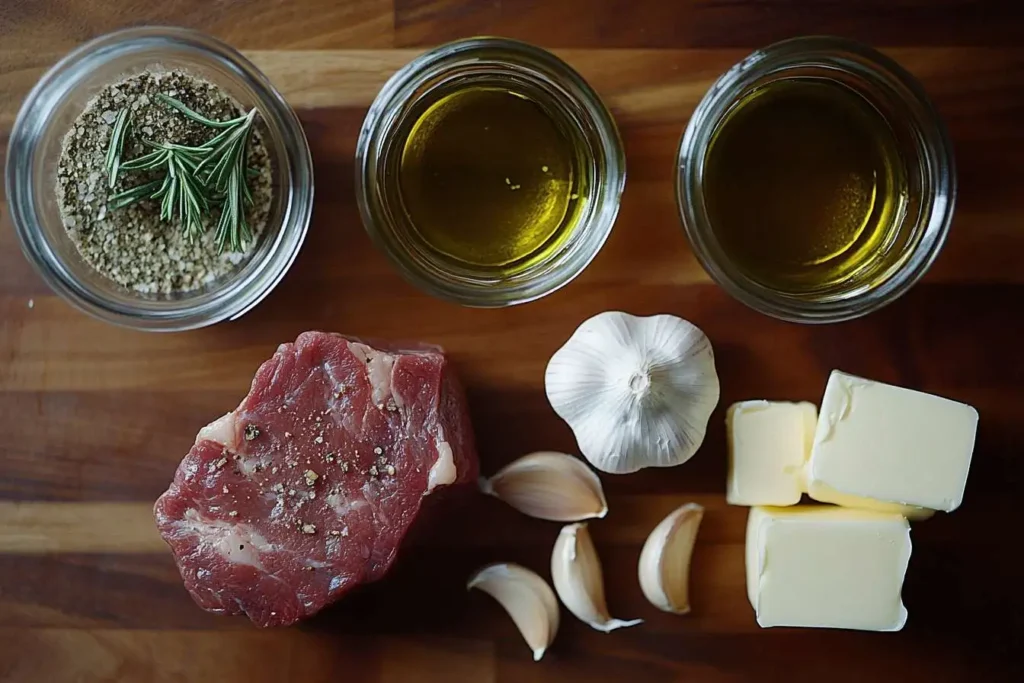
(637, 392)
(576, 573)
(526, 597)
(549, 485)
(664, 567)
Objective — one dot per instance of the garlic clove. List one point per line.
(576, 573)
(526, 597)
(664, 568)
(637, 392)
(549, 485)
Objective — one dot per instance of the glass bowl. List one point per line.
(926, 153)
(35, 148)
(500, 63)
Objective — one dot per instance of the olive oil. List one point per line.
(804, 185)
(491, 178)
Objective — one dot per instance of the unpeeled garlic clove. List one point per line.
(576, 573)
(665, 559)
(549, 485)
(527, 598)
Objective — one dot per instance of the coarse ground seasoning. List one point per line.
(132, 246)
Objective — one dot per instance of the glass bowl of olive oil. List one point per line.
(816, 181)
(489, 172)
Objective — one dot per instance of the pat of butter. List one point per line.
(877, 444)
(827, 567)
(769, 443)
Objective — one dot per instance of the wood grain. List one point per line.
(706, 23)
(94, 419)
(29, 25)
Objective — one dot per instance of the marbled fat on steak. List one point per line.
(306, 490)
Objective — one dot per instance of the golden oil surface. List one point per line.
(489, 178)
(804, 185)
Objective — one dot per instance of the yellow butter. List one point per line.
(769, 442)
(827, 567)
(877, 445)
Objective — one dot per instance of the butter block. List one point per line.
(822, 566)
(887, 444)
(769, 443)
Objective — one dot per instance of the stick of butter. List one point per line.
(827, 567)
(879, 443)
(769, 442)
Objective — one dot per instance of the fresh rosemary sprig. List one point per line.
(225, 170)
(195, 179)
(181, 193)
(116, 147)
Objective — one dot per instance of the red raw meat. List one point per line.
(307, 489)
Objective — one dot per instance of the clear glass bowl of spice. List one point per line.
(157, 180)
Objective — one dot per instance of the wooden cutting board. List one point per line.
(93, 419)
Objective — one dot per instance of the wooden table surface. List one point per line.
(94, 419)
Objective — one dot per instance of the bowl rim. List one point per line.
(59, 80)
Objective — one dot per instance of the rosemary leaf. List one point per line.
(132, 195)
(232, 228)
(218, 138)
(191, 205)
(246, 194)
(196, 116)
(230, 219)
(147, 162)
(115, 149)
(167, 201)
(164, 187)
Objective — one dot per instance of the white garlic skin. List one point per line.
(637, 391)
(664, 567)
(549, 485)
(527, 598)
(579, 582)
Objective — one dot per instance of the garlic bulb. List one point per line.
(527, 598)
(665, 560)
(637, 392)
(576, 573)
(549, 485)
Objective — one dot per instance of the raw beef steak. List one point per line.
(306, 490)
